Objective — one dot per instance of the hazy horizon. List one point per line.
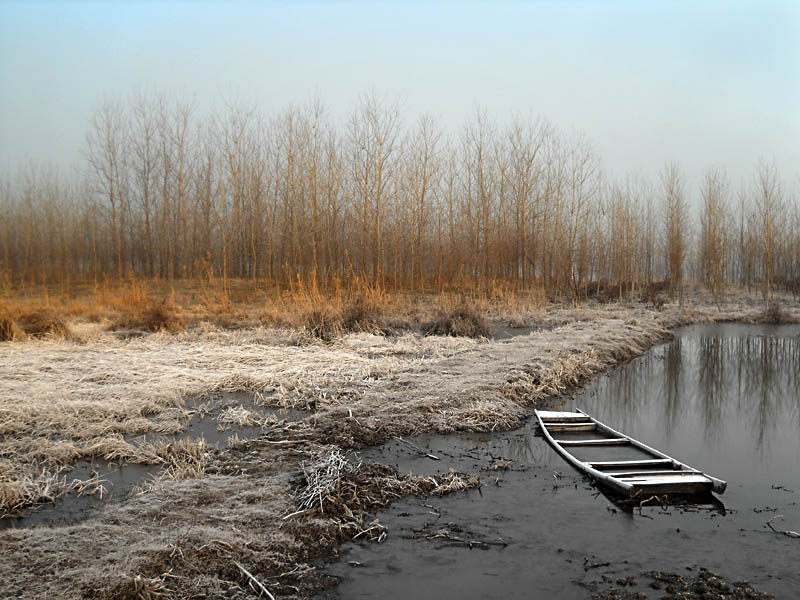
(711, 85)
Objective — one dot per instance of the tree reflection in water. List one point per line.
(713, 379)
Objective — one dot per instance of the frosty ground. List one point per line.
(221, 523)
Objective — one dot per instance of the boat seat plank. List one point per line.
(662, 479)
(563, 417)
(629, 474)
(612, 464)
(605, 442)
(571, 426)
(554, 414)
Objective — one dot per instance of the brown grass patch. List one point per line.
(358, 316)
(363, 315)
(462, 321)
(323, 323)
(9, 330)
(42, 323)
(153, 316)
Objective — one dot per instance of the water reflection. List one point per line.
(716, 385)
(673, 365)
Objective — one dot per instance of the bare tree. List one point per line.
(106, 151)
(769, 202)
(294, 200)
(675, 224)
(374, 148)
(713, 250)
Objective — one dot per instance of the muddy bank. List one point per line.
(184, 536)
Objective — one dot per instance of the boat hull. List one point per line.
(648, 472)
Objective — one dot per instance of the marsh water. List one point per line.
(118, 480)
(724, 399)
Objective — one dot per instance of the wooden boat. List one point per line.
(618, 461)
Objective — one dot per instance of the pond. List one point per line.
(723, 398)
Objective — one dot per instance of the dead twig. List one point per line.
(662, 500)
(285, 442)
(254, 581)
(297, 513)
(374, 526)
(787, 533)
(415, 447)
(597, 565)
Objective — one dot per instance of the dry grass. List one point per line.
(41, 323)
(61, 402)
(180, 535)
(360, 315)
(152, 316)
(347, 491)
(43, 486)
(9, 330)
(461, 321)
(36, 322)
(30, 484)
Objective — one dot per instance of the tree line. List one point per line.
(297, 198)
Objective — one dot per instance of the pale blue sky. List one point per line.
(703, 83)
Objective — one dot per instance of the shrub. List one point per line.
(359, 316)
(40, 323)
(154, 316)
(463, 321)
(323, 324)
(362, 316)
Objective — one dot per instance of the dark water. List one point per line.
(724, 399)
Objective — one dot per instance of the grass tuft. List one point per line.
(462, 321)
(9, 330)
(359, 316)
(42, 323)
(323, 323)
(362, 316)
(153, 316)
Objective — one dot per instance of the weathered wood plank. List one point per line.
(629, 474)
(571, 426)
(551, 416)
(611, 464)
(605, 442)
(661, 479)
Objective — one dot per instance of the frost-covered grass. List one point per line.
(63, 399)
